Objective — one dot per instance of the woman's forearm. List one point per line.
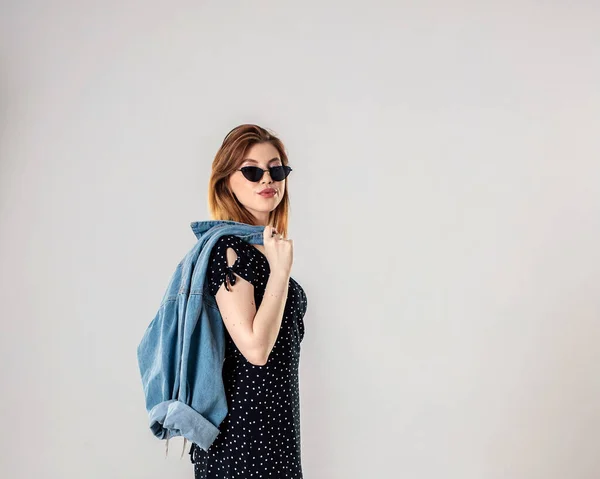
(269, 315)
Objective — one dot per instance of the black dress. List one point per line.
(260, 436)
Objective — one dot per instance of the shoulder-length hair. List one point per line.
(222, 203)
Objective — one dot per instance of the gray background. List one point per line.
(445, 213)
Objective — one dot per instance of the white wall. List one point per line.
(445, 213)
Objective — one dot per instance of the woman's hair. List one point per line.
(222, 203)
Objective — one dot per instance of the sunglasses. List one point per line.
(254, 173)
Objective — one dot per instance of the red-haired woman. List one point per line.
(262, 308)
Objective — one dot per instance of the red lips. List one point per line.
(267, 191)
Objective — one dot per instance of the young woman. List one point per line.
(262, 308)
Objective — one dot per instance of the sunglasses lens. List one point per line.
(252, 173)
(277, 173)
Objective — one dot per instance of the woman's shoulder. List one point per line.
(247, 254)
(219, 268)
(230, 240)
(239, 245)
(219, 250)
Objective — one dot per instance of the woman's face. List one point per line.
(247, 192)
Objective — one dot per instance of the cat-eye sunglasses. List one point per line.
(255, 173)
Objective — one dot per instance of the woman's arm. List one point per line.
(254, 332)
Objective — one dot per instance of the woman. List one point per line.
(262, 308)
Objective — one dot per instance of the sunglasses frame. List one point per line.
(286, 169)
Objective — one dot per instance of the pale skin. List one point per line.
(255, 332)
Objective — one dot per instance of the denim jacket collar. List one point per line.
(250, 233)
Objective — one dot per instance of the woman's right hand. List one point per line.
(279, 252)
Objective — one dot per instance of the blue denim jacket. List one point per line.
(181, 354)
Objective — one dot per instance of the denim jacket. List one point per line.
(181, 354)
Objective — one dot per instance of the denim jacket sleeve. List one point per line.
(160, 359)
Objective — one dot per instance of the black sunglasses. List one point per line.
(254, 173)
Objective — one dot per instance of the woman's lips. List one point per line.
(267, 193)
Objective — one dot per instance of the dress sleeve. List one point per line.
(218, 272)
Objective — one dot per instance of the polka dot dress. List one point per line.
(260, 436)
